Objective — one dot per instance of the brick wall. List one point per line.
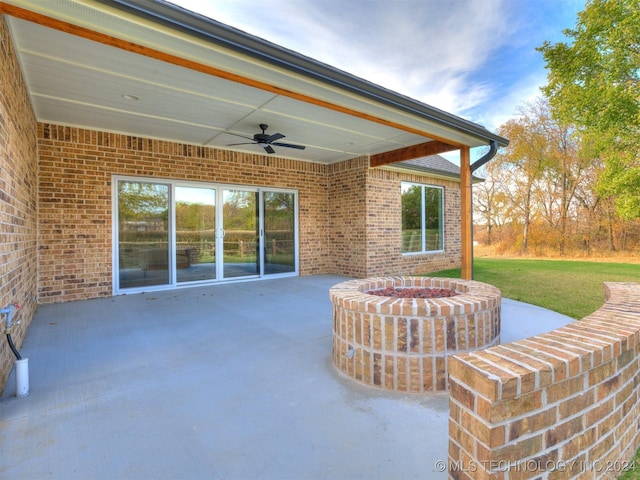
(384, 226)
(76, 168)
(560, 405)
(18, 199)
(348, 212)
(350, 218)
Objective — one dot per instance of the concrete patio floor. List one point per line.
(229, 381)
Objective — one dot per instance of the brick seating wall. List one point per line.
(559, 405)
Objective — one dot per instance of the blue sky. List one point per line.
(472, 58)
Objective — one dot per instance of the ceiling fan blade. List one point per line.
(269, 149)
(289, 145)
(244, 143)
(274, 137)
(237, 135)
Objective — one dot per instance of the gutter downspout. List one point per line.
(493, 149)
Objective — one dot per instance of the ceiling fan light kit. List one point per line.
(265, 140)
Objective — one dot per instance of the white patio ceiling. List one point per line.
(84, 60)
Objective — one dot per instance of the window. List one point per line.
(422, 218)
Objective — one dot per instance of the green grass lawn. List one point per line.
(568, 287)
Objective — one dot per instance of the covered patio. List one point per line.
(229, 381)
(131, 160)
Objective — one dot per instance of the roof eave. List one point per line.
(427, 172)
(220, 34)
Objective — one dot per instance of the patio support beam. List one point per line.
(466, 214)
(409, 153)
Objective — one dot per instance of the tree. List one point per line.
(412, 208)
(594, 83)
(523, 162)
(565, 170)
(139, 201)
(489, 200)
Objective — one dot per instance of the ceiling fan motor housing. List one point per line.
(262, 137)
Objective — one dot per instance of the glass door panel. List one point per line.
(143, 234)
(279, 232)
(240, 233)
(172, 233)
(195, 210)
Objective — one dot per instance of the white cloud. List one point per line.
(447, 53)
(406, 45)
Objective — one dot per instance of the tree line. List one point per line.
(569, 180)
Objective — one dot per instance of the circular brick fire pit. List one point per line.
(402, 344)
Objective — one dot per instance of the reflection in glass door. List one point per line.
(240, 233)
(195, 210)
(143, 234)
(279, 232)
(171, 233)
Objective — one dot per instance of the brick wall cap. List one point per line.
(565, 345)
(471, 293)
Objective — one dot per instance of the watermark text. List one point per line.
(576, 466)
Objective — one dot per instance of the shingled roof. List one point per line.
(434, 165)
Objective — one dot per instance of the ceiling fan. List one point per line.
(266, 141)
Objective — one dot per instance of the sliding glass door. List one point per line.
(176, 233)
(143, 234)
(240, 219)
(195, 245)
(279, 232)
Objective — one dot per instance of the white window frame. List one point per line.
(219, 187)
